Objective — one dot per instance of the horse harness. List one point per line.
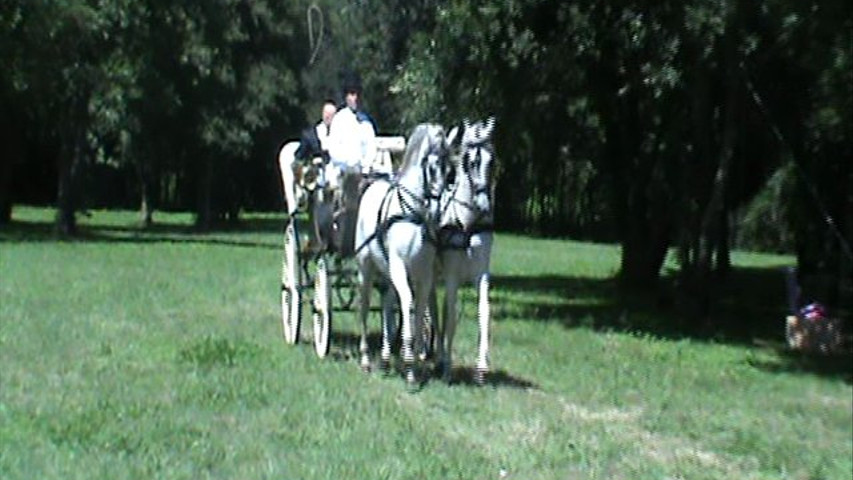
(456, 236)
(410, 213)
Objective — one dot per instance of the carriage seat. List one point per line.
(383, 163)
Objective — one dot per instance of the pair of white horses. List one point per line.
(433, 220)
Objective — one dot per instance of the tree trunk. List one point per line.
(72, 151)
(11, 142)
(723, 258)
(643, 254)
(204, 207)
(711, 236)
(644, 227)
(146, 207)
(715, 211)
(845, 267)
(67, 195)
(5, 194)
(146, 213)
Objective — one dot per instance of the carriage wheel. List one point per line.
(322, 308)
(290, 297)
(345, 286)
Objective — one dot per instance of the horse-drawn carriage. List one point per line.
(318, 252)
(432, 217)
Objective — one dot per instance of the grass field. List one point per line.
(158, 354)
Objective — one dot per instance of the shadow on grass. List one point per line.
(838, 366)
(23, 231)
(344, 346)
(346, 349)
(748, 308)
(466, 376)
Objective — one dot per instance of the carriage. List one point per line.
(434, 217)
(317, 261)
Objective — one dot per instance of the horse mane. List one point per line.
(413, 146)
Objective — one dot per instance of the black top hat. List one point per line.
(351, 83)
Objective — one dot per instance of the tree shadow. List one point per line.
(748, 305)
(837, 366)
(581, 302)
(24, 231)
(749, 308)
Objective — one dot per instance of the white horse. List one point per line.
(396, 238)
(465, 240)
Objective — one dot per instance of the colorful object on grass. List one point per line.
(813, 312)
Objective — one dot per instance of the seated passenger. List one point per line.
(312, 145)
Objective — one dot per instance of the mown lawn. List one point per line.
(158, 354)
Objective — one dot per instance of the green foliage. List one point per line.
(763, 224)
(644, 123)
(634, 93)
(155, 87)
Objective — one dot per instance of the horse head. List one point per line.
(475, 162)
(436, 162)
(429, 155)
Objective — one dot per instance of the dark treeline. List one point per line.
(699, 124)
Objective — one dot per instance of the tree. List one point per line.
(372, 39)
(641, 105)
(59, 60)
(649, 124)
(815, 133)
(72, 64)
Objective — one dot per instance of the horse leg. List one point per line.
(400, 280)
(364, 307)
(423, 294)
(451, 316)
(438, 334)
(483, 317)
(431, 315)
(389, 326)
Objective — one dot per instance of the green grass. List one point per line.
(158, 354)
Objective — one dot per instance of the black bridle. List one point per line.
(456, 235)
(412, 206)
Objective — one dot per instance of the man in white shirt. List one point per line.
(352, 137)
(352, 151)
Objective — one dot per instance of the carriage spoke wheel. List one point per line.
(290, 295)
(322, 308)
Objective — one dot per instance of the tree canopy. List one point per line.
(660, 125)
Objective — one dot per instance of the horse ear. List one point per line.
(490, 125)
(451, 136)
